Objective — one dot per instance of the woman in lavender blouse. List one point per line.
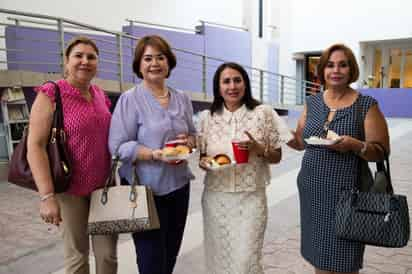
(145, 118)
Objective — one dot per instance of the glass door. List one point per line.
(387, 64)
(394, 72)
(407, 71)
(375, 80)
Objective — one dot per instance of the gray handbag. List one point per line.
(379, 218)
(122, 208)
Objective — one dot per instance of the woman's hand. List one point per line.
(50, 211)
(252, 145)
(186, 139)
(295, 143)
(157, 154)
(346, 144)
(203, 164)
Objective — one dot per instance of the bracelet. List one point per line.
(46, 196)
(363, 149)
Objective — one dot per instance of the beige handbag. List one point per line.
(122, 208)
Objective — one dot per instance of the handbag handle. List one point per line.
(384, 167)
(111, 181)
(58, 113)
(380, 165)
(57, 129)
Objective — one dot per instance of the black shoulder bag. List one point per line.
(375, 217)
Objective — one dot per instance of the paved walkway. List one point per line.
(26, 245)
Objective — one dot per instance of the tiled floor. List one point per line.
(27, 246)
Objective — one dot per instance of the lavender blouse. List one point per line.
(139, 120)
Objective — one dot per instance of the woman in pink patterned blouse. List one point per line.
(86, 123)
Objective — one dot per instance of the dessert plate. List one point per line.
(179, 157)
(221, 167)
(321, 141)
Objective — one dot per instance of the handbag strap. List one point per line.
(111, 181)
(384, 166)
(380, 165)
(58, 113)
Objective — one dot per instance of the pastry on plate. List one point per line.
(170, 151)
(331, 135)
(222, 159)
(182, 149)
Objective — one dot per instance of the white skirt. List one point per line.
(234, 225)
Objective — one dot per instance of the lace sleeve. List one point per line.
(277, 131)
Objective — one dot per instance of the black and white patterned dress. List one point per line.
(323, 176)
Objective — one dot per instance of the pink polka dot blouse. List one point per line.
(87, 127)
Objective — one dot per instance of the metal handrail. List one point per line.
(263, 81)
(223, 25)
(132, 21)
(28, 14)
(18, 20)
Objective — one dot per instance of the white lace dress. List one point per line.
(234, 200)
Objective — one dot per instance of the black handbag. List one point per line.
(379, 218)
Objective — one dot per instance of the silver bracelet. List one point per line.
(46, 196)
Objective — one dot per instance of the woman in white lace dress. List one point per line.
(234, 199)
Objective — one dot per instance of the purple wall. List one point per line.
(393, 102)
(35, 45)
(272, 81)
(226, 44)
(187, 74)
(32, 46)
(222, 43)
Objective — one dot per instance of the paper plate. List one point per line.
(321, 141)
(179, 157)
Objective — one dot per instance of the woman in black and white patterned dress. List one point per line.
(327, 170)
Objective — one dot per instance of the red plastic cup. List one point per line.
(173, 143)
(241, 155)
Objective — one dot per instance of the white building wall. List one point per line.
(301, 26)
(112, 14)
(314, 25)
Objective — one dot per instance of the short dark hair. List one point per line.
(353, 65)
(157, 42)
(247, 99)
(79, 40)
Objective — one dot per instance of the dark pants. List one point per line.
(157, 250)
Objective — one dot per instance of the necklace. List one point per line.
(165, 95)
(339, 98)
